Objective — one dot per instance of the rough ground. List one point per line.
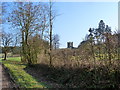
(41, 76)
(5, 80)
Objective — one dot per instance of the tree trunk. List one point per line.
(51, 45)
(5, 57)
(50, 34)
(23, 48)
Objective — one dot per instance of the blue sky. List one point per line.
(77, 17)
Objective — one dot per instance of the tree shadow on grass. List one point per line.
(100, 77)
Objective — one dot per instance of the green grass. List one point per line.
(14, 58)
(17, 59)
(22, 78)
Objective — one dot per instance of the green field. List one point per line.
(12, 59)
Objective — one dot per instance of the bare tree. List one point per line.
(52, 16)
(7, 39)
(28, 18)
(56, 41)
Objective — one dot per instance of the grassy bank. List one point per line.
(23, 79)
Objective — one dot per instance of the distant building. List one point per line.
(69, 44)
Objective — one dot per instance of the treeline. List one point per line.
(101, 47)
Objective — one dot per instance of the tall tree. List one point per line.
(52, 16)
(28, 18)
(91, 39)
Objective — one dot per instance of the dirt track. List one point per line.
(5, 80)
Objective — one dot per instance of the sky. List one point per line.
(77, 17)
(119, 16)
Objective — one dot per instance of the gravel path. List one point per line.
(5, 80)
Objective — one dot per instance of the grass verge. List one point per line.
(12, 59)
(23, 79)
